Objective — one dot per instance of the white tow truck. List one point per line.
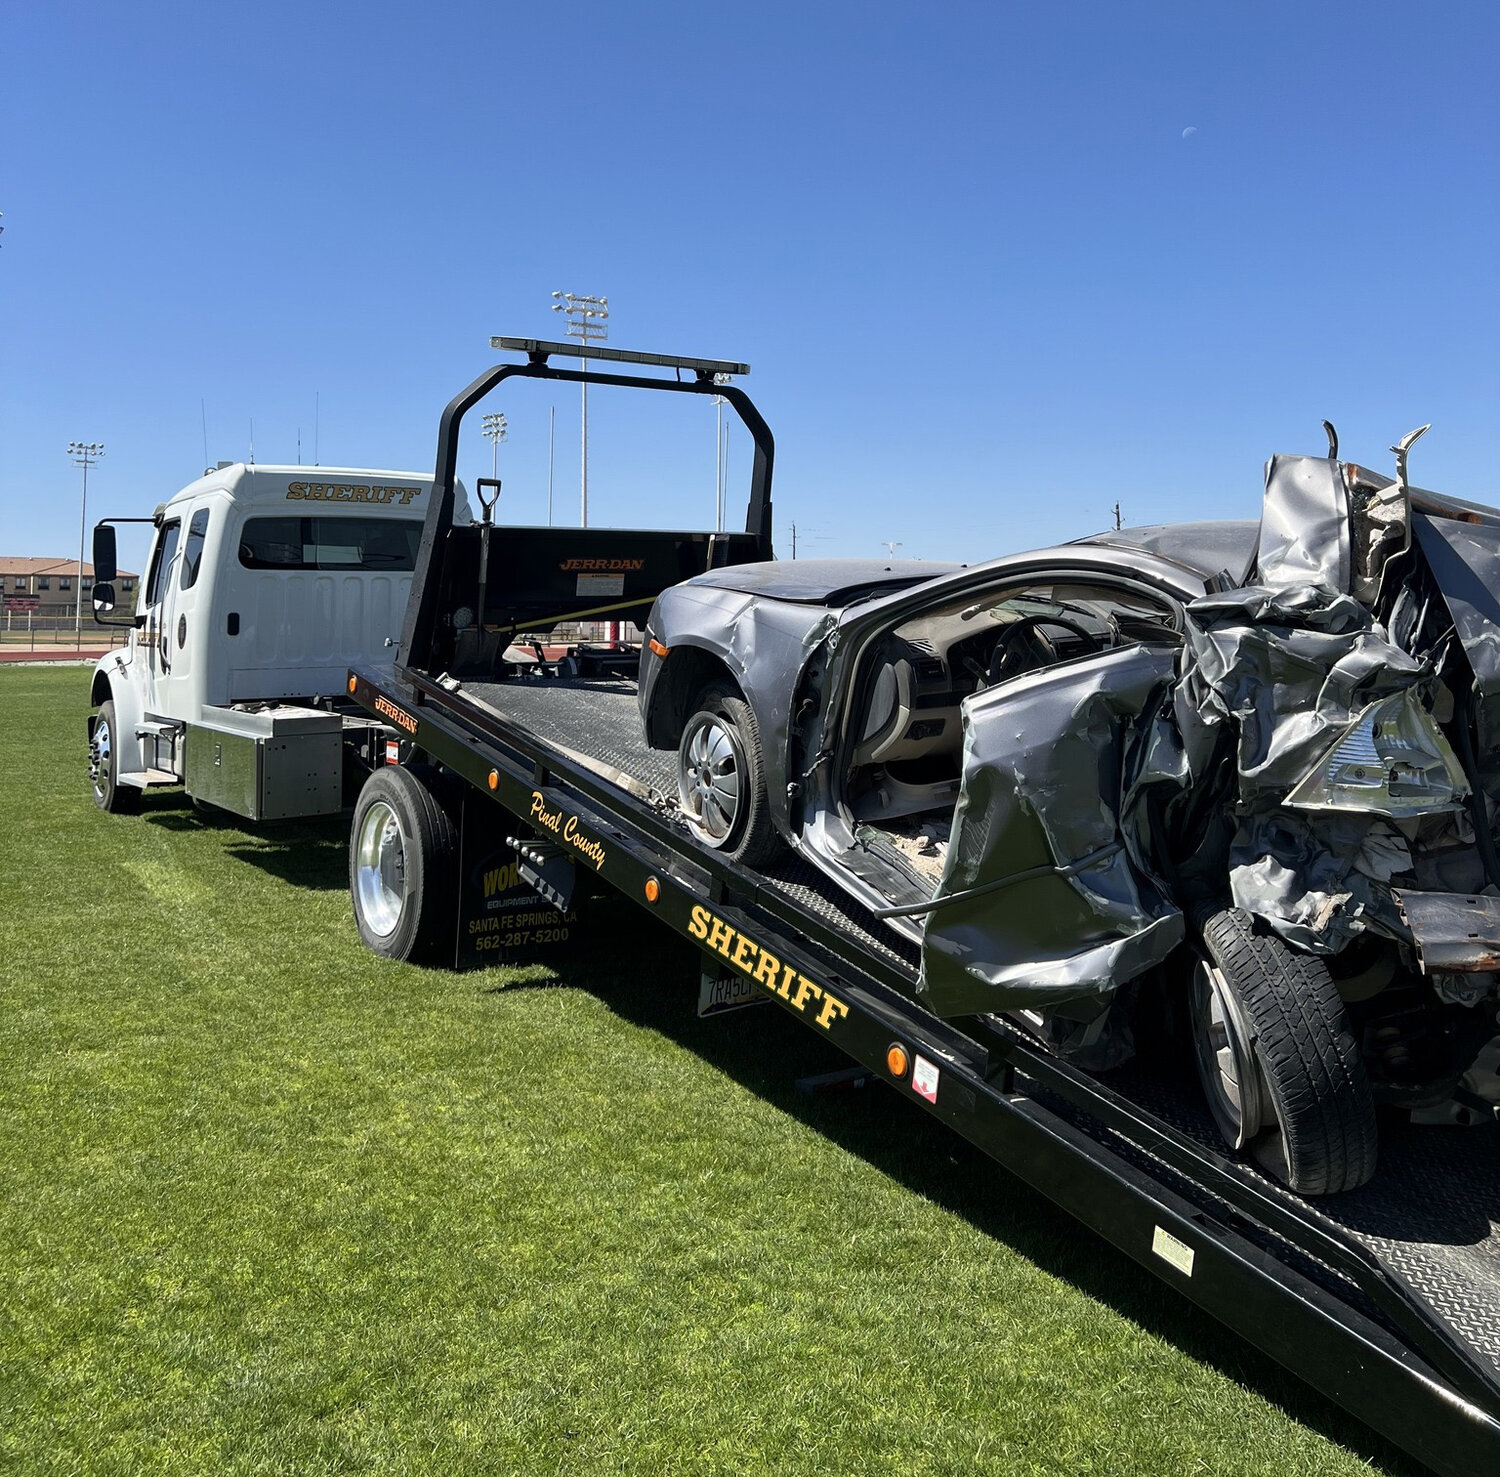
(263, 586)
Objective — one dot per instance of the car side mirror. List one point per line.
(105, 567)
(104, 595)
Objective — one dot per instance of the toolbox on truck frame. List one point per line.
(1284, 1275)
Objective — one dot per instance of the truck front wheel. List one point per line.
(403, 867)
(104, 765)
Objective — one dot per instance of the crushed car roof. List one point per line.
(1207, 547)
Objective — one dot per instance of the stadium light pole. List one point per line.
(588, 319)
(495, 431)
(84, 454)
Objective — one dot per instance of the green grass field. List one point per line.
(270, 1205)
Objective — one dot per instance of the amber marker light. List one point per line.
(895, 1059)
(658, 648)
(653, 889)
(353, 683)
(494, 780)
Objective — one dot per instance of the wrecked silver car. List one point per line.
(1245, 772)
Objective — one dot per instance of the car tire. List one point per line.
(1277, 1060)
(403, 866)
(721, 784)
(104, 765)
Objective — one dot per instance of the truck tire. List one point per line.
(403, 867)
(104, 765)
(1278, 1062)
(721, 783)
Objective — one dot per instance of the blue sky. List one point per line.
(995, 266)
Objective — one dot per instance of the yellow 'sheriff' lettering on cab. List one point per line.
(763, 967)
(350, 492)
(566, 826)
(399, 716)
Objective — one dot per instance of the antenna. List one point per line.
(203, 411)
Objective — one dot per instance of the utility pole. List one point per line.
(587, 321)
(794, 541)
(495, 431)
(891, 546)
(84, 454)
(1117, 516)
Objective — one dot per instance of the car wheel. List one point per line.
(721, 778)
(1277, 1060)
(403, 867)
(104, 765)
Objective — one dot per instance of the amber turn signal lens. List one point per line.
(895, 1060)
(353, 683)
(653, 889)
(658, 648)
(494, 780)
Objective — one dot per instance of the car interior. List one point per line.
(903, 780)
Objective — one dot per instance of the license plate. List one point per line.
(720, 993)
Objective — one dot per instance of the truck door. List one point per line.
(155, 640)
(187, 645)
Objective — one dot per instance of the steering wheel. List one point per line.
(1010, 658)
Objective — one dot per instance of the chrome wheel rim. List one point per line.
(100, 750)
(380, 869)
(1225, 1058)
(710, 777)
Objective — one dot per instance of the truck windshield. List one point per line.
(330, 543)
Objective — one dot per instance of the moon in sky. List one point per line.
(1190, 130)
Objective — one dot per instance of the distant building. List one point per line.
(49, 586)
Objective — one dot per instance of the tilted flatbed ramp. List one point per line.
(1387, 1299)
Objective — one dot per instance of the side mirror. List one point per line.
(105, 567)
(104, 595)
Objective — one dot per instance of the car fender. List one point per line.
(762, 644)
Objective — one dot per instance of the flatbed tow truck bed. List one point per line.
(1411, 1216)
(1386, 1299)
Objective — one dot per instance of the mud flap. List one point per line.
(502, 919)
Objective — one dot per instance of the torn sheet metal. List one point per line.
(1285, 673)
(1463, 553)
(1046, 899)
(1304, 526)
(1455, 933)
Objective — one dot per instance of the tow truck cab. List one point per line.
(263, 586)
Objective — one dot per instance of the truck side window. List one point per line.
(192, 551)
(161, 562)
(331, 543)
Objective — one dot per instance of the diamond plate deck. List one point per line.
(598, 721)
